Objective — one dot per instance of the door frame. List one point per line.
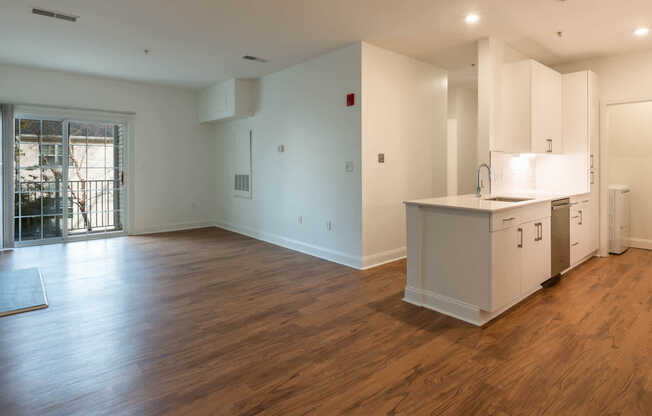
(84, 116)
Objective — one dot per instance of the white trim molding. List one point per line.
(172, 227)
(640, 243)
(455, 308)
(378, 259)
(311, 249)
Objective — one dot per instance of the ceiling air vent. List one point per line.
(56, 15)
(254, 58)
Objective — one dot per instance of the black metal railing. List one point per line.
(93, 205)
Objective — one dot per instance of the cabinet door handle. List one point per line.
(581, 218)
(575, 244)
(549, 145)
(509, 219)
(591, 161)
(540, 231)
(520, 232)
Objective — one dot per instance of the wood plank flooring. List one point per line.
(207, 322)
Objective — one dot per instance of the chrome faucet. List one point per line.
(478, 189)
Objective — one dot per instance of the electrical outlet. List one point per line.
(329, 225)
(281, 148)
(381, 157)
(348, 166)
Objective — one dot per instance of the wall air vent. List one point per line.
(241, 183)
(254, 58)
(56, 15)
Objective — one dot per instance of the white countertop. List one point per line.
(473, 203)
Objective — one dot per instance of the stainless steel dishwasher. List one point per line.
(560, 241)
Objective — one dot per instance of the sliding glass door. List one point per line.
(69, 179)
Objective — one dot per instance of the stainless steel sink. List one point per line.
(508, 199)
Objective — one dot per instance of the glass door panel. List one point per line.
(38, 207)
(95, 180)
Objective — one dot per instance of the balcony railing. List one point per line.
(93, 205)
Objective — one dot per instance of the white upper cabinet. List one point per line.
(227, 100)
(532, 109)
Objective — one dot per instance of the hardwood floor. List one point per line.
(210, 322)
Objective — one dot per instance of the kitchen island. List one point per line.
(475, 257)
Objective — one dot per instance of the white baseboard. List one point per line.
(640, 243)
(455, 308)
(375, 260)
(311, 249)
(172, 227)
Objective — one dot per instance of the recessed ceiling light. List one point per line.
(472, 18)
(641, 31)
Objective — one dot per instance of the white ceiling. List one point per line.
(197, 42)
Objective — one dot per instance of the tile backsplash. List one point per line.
(513, 173)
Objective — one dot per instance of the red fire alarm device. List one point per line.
(350, 100)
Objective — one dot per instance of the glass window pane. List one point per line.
(51, 155)
(78, 224)
(29, 154)
(29, 179)
(96, 133)
(29, 128)
(77, 161)
(17, 229)
(30, 228)
(52, 132)
(52, 179)
(96, 174)
(52, 203)
(52, 227)
(76, 131)
(30, 204)
(96, 156)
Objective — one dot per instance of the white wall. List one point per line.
(463, 106)
(403, 116)
(173, 156)
(304, 109)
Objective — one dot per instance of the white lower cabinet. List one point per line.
(520, 260)
(535, 259)
(506, 266)
(583, 229)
